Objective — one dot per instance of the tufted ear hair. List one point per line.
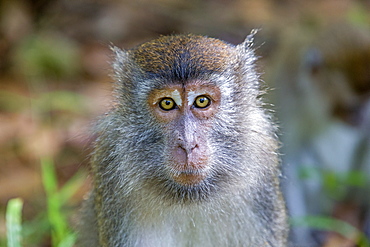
(248, 42)
(120, 59)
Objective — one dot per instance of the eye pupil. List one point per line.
(202, 102)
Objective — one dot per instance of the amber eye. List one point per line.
(202, 102)
(167, 104)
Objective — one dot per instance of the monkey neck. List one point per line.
(209, 223)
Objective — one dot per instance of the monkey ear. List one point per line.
(248, 42)
(120, 58)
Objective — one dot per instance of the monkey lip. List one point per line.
(189, 178)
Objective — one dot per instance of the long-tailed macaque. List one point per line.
(187, 156)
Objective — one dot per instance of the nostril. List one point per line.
(180, 146)
(187, 148)
(194, 147)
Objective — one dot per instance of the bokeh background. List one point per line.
(314, 56)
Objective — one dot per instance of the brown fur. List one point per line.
(205, 53)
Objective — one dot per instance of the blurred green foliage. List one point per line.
(359, 16)
(54, 222)
(46, 55)
(61, 234)
(335, 184)
(61, 101)
(330, 224)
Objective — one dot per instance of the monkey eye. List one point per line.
(202, 102)
(167, 104)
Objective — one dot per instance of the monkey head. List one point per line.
(189, 114)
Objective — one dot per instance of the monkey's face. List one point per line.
(195, 101)
(186, 111)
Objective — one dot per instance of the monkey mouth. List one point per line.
(188, 177)
(188, 169)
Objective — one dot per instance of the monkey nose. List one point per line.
(183, 153)
(188, 147)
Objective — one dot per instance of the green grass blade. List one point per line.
(57, 221)
(68, 241)
(13, 222)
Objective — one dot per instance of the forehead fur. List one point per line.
(183, 57)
